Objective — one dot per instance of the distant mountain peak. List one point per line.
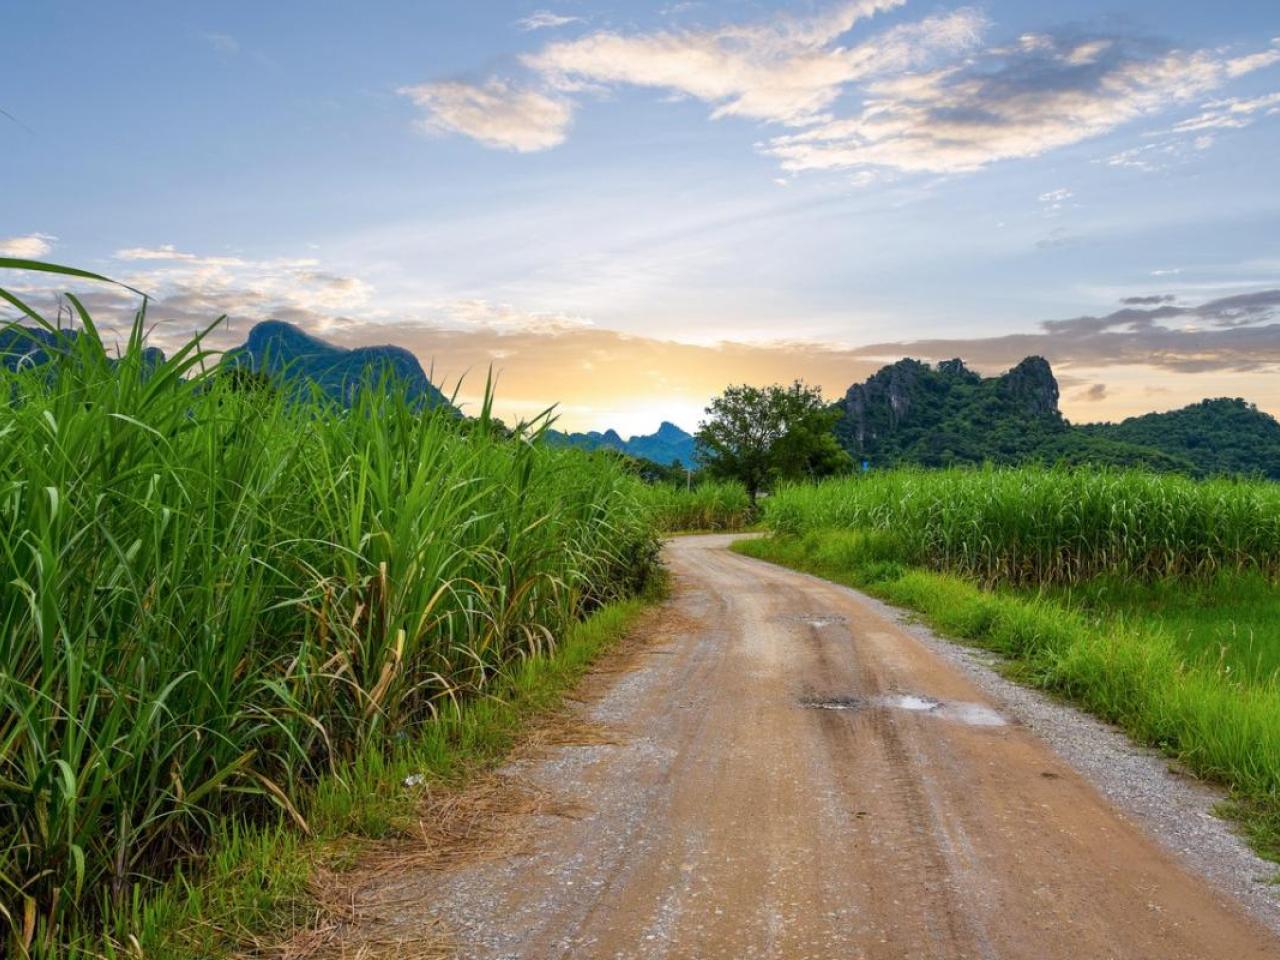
(667, 445)
(1033, 385)
(669, 431)
(284, 350)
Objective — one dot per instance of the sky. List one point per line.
(624, 207)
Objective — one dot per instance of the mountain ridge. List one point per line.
(282, 350)
(913, 413)
(667, 445)
(909, 412)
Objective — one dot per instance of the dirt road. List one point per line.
(797, 777)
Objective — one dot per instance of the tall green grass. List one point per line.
(210, 595)
(1229, 623)
(711, 505)
(1045, 526)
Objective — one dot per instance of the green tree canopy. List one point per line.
(760, 435)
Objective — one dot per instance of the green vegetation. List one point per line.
(255, 888)
(760, 436)
(911, 413)
(1150, 600)
(1050, 526)
(1230, 622)
(707, 506)
(1213, 436)
(215, 598)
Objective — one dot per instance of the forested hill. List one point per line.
(287, 354)
(1215, 436)
(914, 413)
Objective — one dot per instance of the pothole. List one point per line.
(832, 703)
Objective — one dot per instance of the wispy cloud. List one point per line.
(30, 246)
(923, 96)
(1232, 113)
(189, 290)
(502, 317)
(497, 114)
(785, 70)
(1160, 155)
(1052, 202)
(1227, 334)
(544, 20)
(164, 252)
(1044, 92)
(223, 44)
(1179, 143)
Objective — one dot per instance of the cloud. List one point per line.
(223, 43)
(497, 114)
(503, 317)
(1093, 393)
(1148, 301)
(545, 19)
(785, 70)
(1229, 334)
(188, 291)
(1230, 114)
(922, 96)
(164, 252)
(1052, 202)
(1058, 237)
(1044, 92)
(31, 246)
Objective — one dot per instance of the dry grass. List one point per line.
(370, 910)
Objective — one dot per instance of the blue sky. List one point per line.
(625, 206)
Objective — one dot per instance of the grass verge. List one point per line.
(1139, 678)
(255, 886)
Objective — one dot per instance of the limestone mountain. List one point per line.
(910, 412)
(284, 352)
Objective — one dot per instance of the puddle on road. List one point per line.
(816, 619)
(911, 703)
(970, 714)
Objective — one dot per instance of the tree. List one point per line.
(760, 435)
